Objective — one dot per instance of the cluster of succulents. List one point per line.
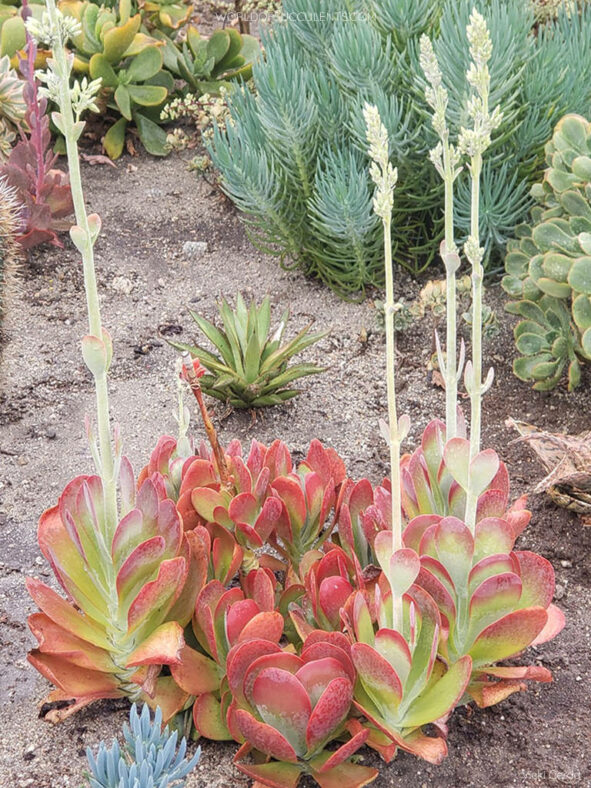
(253, 368)
(12, 106)
(298, 612)
(548, 265)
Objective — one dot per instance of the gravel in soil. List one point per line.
(147, 285)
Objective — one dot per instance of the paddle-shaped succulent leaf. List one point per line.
(290, 707)
(548, 265)
(251, 367)
(129, 594)
(401, 684)
(494, 601)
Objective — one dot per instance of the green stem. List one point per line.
(392, 415)
(451, 378)
(477, 280)
(90, 285)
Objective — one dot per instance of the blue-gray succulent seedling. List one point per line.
(149, 758)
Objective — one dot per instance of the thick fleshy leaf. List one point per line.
(329, 713)
(237, 616)
(537, 576)
(332, 595)
(267, 625)
(205, 500)
(378, 677)
(208, 718)
(553, 626)
(129, 534)
(508, 636)
(441, 696)
(345, 751)
(400, 567)
(321, 650)
(76, 682)
(456, 455)
(139, 568)
(414, 531)
(157, 597)
(494, 597)
(394, 648)
(315, 676)
(196, 673)
(53, 639)
(273, 774)
(292, 495)
(65, 615)
(167, 696)
(455, 548)
(240, 658)
(483, 469)
(162, 647)
(345, 775)
(489, 566)
(492, 535)
(283, 660)
(283, 703)
(265, 737)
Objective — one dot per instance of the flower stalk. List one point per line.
(473, 143)
(385, 176)
(445, 157)
(55, 29)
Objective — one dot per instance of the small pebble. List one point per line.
(193, 249)
(558, 592)
(121, 284)
(566, 564)
(50, 433)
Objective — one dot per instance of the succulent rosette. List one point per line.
(130, 591)
(494, 601)
(402, 686)
(289, 708)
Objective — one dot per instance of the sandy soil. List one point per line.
(149, 210)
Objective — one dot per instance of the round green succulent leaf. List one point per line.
(572, 132)
(123, 101)
(147, 95)
(557, 266)
(100, 68)
(552, 288)
(574, 375)
(218, 45)
(544, 370)
(579, 277)
(529, 344)
(560, 347)
(531, 292)
(516, 263)
(575, 204)
(512, 285)
(586, 343)
(529, 327)
(145, 65)
(530, 311)
(551, 236)
(582, 167)
(523, 367)
(585, 242)
(581, 310)
(560, 180)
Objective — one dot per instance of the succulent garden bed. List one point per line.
(148, 280)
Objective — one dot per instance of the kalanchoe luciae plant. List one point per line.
(130, 573)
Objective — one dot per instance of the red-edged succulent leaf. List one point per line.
(455, 549)
(273, 774)
(345, 751)
(378, 677)
(195, 673)
(283, 703)
(208, 718)
(414, 531)
(537, 576)
(553, 626)
(494, 597)
(54, 639)
(329, 713)
(322, 650)
(441, 696)
(237, 617)
(162, 647)
(267, 625)
(492, 536)
(168, 696)
(264, 737)
(240, 658)
(156, 598)
(316, 675)
(394, 648)
(292, 495)
(332, 596)
(508, 636)
(139, 567)
(283, 660)
(65, 615)
(75, 681)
